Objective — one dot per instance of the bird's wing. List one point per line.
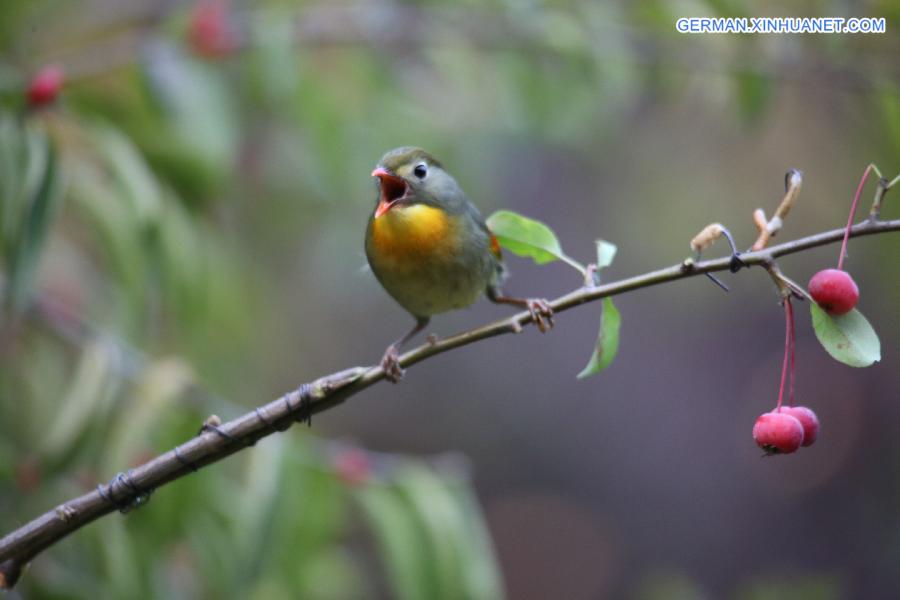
(475, 215)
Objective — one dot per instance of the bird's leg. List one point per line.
(390, 362)
(541, 312)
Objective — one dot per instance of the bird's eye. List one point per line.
(421, 170)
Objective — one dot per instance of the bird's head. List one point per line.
(409, 176)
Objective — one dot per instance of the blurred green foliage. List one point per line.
(142, 154)
(135, 212)
(30, 197)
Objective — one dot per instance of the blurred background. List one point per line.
(183, 208)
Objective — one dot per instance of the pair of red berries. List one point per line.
(785, 429)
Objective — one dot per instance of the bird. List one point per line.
(430, 248)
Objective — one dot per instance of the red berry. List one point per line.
(352, 466)
(808, 420)
(45, 86)
(778, 433)
(834, 290)
(211, 33)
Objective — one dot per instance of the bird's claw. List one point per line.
(541, 313)
(390, 363)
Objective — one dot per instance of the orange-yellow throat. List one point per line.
(415, 232)
(429, 260)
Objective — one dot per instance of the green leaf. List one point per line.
(401, 542)
(481, 572)
(431, 534)
(195, 100)
(88, 398)
(527, 237)
(131, 177)
(434, 510)
(30, 200)
(606, 252)
(849, 338)
(607, 340)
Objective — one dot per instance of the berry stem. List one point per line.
(859, 188)
(788, 314)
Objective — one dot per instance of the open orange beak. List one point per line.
(393, 190)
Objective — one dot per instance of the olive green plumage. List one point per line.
(431, 250)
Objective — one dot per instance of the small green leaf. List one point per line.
(527, 237)
(606, 252)
(607, 340)
(849, 338)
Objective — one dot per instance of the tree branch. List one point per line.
(216, 441)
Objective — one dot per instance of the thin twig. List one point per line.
(125, 491)
(883, 186)
(793, 181)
